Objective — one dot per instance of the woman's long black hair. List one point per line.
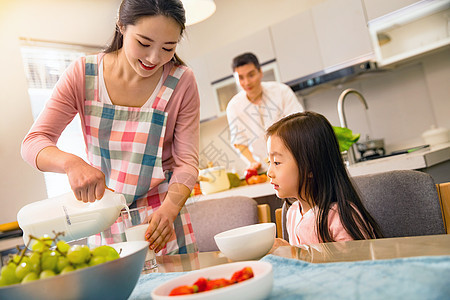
(131, 11)
(311, 139)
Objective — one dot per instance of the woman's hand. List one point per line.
(160, 228)
(87, 182)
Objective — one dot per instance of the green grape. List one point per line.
(81, 266)
(23, 269)
(2, 282)
(62, 246)
(35, 261)
(62, 263)
(15, 258)
(30, 277)
(42, 262)
(78, 254)
(106, 251)
(49, 260)
(67, 269)
(40, 246)
(96, 260)
(101, 251)
(8, 274)
(35, 257)
(46, 274)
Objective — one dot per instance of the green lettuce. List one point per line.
(345, 137)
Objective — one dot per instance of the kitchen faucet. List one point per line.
(343, 121)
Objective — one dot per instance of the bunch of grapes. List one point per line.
(49, 257)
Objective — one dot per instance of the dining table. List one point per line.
(415, 267)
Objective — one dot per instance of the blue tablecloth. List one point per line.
(406, 278)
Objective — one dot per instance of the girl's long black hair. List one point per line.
(130, 11)
(311, 139)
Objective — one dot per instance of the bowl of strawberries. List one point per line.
(239, 280)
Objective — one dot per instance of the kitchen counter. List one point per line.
(423, 160)
(252, 191)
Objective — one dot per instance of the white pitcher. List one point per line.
(66, 214)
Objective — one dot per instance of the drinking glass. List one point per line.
(135, 224)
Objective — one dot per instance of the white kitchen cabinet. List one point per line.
(378, 8)
(219, 61)
(330, 35)
(296, 47)
(208, 103)
(342, 32)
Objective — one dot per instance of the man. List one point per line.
(255, 108)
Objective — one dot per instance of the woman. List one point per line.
(139, 108)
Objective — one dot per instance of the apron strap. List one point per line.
(168, 87)
(91, 78)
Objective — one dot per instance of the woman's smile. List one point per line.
(146, 67)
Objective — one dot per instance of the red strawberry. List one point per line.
(201, 283)
(244, 274)
(217, 283)
(182, 290)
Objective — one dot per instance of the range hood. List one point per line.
(337, 74)
(402, 35)
(411, 31)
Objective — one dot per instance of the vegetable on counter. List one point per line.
(249, 173)
(345, 137)
(234, 180)
(257, 179)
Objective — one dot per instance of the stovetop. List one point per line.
(376, 155)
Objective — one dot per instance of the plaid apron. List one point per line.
(126, 143)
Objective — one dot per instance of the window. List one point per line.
(44, 63)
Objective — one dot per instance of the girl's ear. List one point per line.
(310, 175)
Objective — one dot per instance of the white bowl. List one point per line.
(111, 280)
(258, 287)
(247, 242)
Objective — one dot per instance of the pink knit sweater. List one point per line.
(302, 228)
(181, 140)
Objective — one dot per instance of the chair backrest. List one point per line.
(211, 217)
(444, 199)
(403, 202)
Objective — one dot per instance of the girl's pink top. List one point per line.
(181, 140)
(302, 228)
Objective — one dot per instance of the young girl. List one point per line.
(305, 164)
(139, 109)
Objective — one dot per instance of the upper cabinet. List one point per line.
(329, 35)
(296, 47)
(342, 32)
(219, 61)
(378, 8)
(208, 104)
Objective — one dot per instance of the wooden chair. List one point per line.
(278, 219)
(211, 217)
(403, 202)
(443, 190)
